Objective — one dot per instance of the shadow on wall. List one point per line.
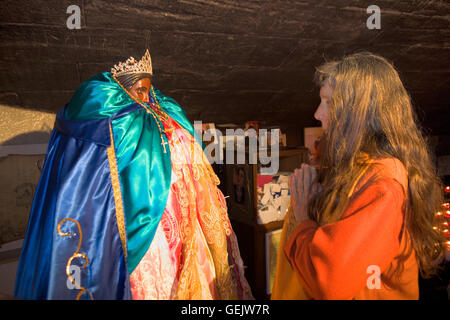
(29, 138)
(21, 160)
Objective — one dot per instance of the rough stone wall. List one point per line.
(223, 60)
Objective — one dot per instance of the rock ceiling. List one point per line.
(224, 61)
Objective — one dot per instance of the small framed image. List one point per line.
(272, 244)
(239, 187)
(239, 184)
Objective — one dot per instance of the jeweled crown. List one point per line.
(132, 66)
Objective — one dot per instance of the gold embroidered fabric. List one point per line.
(203, 227)
(120, 218)
(76, 254)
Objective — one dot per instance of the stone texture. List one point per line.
(224, 61)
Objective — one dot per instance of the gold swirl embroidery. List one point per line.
(117, 193)
(191, 284)
(196, 171)
(77, 254)
(212, 216)
(171, 229)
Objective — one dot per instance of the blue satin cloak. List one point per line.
(76, 184)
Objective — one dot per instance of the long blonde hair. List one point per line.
(371, 113)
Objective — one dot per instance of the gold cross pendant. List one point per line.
(163, 143)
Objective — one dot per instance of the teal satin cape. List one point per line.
(144, 168)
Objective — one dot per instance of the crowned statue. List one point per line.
(127, 205)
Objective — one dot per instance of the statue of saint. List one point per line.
(127, 206)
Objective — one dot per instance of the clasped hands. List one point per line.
(303, 185)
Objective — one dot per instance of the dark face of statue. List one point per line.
(141, 89)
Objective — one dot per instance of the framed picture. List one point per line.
(239, 183)
(272, 244)
(239, 188)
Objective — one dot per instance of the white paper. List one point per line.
(275, 188)
(266, 198)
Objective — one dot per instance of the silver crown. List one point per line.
(132, 66)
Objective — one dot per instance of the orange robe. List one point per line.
(194, 254)
(337, 260)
